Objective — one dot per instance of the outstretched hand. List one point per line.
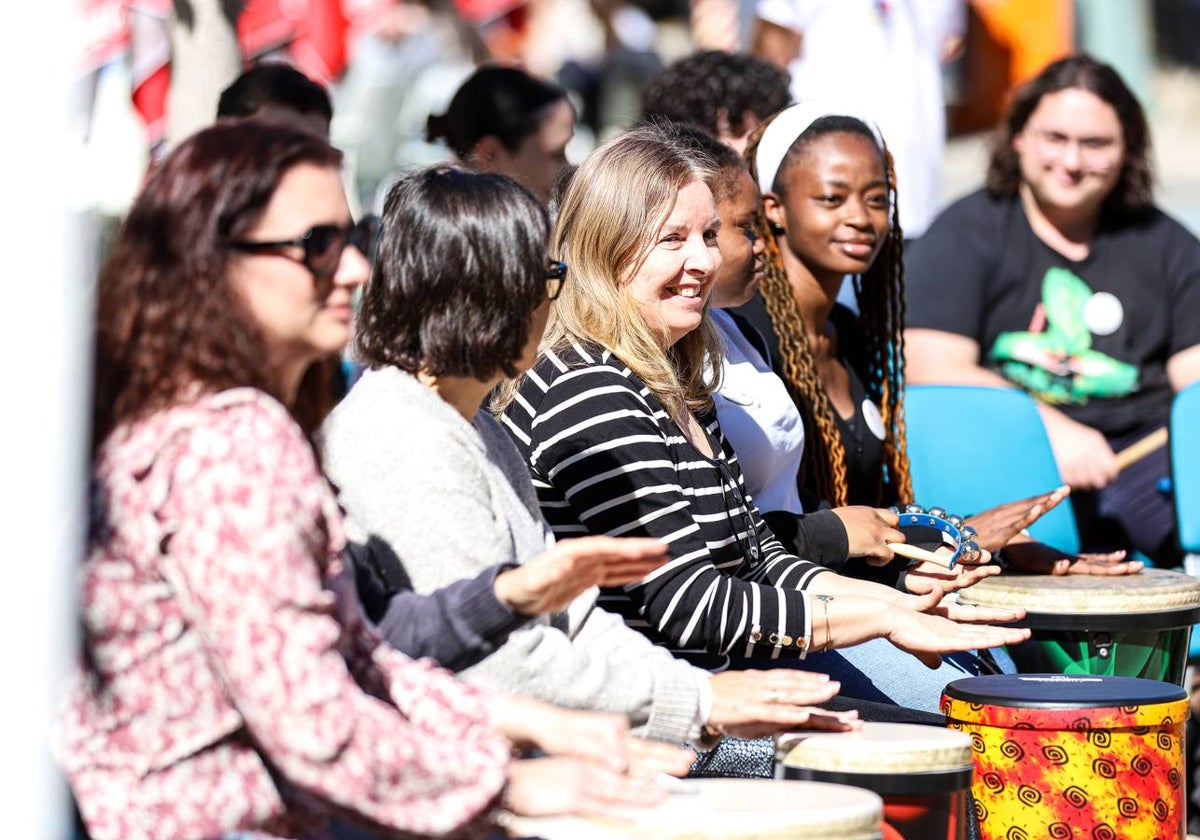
(1038, 558)
(921, 578)
(749, 704)
(998, 525)
(553, 579)
(944, 629)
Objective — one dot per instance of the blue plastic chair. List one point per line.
(1185, 484)
(973, 447)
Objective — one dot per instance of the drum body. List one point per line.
(922, 773)
(737, 809)
(1064, 757)
(1128, 626)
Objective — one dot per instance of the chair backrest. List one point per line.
(974, 447)
(1185, 465)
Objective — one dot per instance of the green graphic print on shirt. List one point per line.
(1057, 363)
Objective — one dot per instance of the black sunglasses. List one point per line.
(556, 275)
(322, 245)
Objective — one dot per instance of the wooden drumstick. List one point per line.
(1138, 450)
(915, 552)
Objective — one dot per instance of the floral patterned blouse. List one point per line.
(229, 682)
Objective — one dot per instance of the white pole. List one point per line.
(46, 321)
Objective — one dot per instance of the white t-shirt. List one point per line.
(882, 57)
(760, 421)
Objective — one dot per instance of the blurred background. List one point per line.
(389, 63)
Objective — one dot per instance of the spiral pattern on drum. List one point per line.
(1075, 796)
(1104, 831)
(1029, 795)
(1055, 754)
(1164, 742)
(1161, 810)
(1101, 738)
(1059, 831)
(977, 743)
(1141, 765)
(993, 782)
(1105, 768)
(1173, 778)
(1016, 833)
(1011, 749)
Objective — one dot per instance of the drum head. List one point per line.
(737, 809)
(1151, 599)
(1056, 691)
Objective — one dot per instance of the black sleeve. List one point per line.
(457, 626)
(818, 536)
(946, 270)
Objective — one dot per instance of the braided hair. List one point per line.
(880, 291)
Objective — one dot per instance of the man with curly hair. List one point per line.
(726, 94)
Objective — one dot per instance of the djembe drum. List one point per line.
(726, 809)
(1058, 756)
(922, 773)
(1130, 626)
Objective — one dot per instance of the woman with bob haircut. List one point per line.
(436, 492)
(1061, 277)
(615, 423)
(228, 682)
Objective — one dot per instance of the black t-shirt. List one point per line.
(1091, 337)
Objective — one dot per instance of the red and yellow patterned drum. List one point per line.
(923, 773)
(726, 809)
(1128, 626)
(1059, 756)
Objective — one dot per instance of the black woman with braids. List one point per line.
(830, 211)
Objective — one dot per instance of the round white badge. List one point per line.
(874, 418)
(1103, 313)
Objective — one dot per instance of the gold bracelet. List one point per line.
(825, 599)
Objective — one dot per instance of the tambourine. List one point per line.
(916, 521)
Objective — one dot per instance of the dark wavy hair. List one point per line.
(167, 320)
(505, 102)
(460, 268)
(697, 89)
(1134, 189)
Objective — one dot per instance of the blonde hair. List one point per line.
(607, 223)
(881, 297)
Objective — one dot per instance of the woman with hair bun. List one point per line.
(506, 121)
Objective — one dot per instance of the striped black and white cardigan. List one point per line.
(607, 459)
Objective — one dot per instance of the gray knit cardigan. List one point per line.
(449, 499)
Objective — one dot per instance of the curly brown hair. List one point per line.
(1134, 191)
(168, 323)
(881, 319)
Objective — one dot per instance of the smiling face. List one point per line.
(742, 251)
(673, 281)
(835, 210)
(299, 323)
(1071, 151)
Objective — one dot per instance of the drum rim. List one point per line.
(1175, 619)
(955, 690)
(914, 783)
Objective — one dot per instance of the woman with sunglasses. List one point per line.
(435, 492)
(614, 421)
(227, 681)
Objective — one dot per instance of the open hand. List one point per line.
(999, 524)
(548, 786)
(749, 704)
(1038, 558)
(927, 635)
(921, 578)
(553, 579)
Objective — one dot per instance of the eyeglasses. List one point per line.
(556, 275)
(751, 550)
(322, 245)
